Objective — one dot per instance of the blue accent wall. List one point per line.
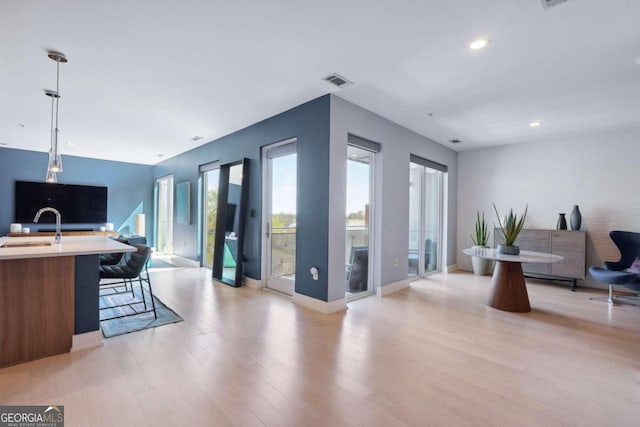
(309, 123)
(130, 186)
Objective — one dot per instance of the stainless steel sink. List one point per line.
(25, 244)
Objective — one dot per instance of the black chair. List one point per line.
(618, 273)
(358, 269)
(114, 258)
(134, 270)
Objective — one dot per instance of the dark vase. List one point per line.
(575, 218)
(562, 222)
(507, 250)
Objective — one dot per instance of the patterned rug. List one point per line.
(125, 325)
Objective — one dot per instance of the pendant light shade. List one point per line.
(51, 177)
(55, 159)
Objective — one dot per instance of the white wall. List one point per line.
(391, 196)
(599, 173)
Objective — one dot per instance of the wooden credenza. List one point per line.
(571, 245)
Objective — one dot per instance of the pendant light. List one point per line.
(55, 159)
(51, 177)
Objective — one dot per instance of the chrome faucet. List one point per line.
(55, 211)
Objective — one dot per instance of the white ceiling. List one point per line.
(146, 76)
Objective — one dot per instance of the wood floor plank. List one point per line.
(433, 354)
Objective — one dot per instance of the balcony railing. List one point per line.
(283, 252)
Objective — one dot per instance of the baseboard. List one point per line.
(187, 262)
(319, 305)
(252, 283)
(178, 260)
(392, 287)
(87, 340)
(450, 268)
(181, 261)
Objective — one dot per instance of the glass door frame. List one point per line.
(371, 228)
(422, 181)
(204, 169)
(169, 229)
(439, 233)
(267, 181)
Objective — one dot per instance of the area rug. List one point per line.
(125, 325)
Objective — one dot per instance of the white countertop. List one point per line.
(525, 256)
(68, 246)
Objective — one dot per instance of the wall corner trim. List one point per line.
(319, 305)
(252, 283)
(87, 340)
(392, 287)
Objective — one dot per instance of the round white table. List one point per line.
(509, 291)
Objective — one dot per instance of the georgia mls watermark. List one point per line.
(31, 416)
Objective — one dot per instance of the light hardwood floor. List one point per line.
(433, 354)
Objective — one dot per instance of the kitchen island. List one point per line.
(49, 294)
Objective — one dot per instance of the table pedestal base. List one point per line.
(509, 291)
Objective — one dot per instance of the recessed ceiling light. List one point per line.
(160, 155)
(478, 44)
(21, 125)
(196, 138)
(536, 123)
(71, 144)
(454, 141)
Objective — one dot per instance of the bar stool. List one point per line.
(134, 270)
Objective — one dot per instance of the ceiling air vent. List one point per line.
(546, 4)
(454, 141)
(338, 80)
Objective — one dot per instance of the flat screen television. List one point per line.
(76, 203)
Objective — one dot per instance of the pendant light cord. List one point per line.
(51, 129)
(57, 99)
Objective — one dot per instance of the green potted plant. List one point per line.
(510, 227)
(480, 239)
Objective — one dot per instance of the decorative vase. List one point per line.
(508, 250)
(575, 218)
(562, 222)
(480, 265)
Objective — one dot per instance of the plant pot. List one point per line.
(480, 265)
(508, 250)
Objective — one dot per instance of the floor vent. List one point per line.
(338, 80)
(546, 4)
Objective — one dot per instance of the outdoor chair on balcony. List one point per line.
(358, 269)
